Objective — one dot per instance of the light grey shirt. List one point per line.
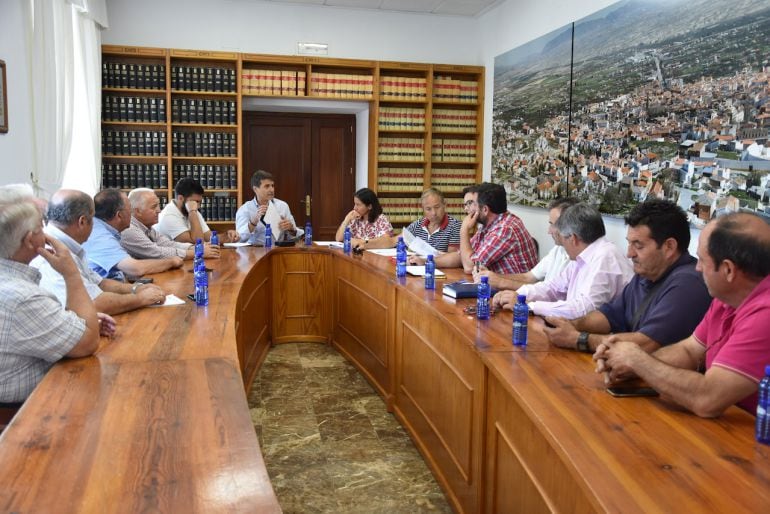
(248, 210)
(147, 243)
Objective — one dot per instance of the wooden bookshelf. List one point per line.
(425, 120)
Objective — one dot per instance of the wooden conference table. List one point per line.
(158, 419)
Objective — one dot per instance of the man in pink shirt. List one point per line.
(732, 339)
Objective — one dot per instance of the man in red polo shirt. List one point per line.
(732, 339)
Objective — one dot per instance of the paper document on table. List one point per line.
(387, 252)
(273, 217)
(235, 245)
(417, 245)
(419, 271)
(333, 244)
(170, 300)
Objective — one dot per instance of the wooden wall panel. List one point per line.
(523, 472)
(252, 320)
(364, 316)
(299, 302)
(440, 385)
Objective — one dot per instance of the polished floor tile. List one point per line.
(329, 443)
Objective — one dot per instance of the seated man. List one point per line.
(70, 221)
(734, 257)
(249, 220)
(436, 228)
(502, 244)
(597, 271)
(105, 255)
(549, 266)
(36, 330)
(141, 241)
(181, 219)
(664, 301)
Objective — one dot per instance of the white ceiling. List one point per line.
(469, 8)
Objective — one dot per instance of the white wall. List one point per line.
(259, 27)
(16, 159)
(505, 27)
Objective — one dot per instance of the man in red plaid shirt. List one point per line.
(502, 244)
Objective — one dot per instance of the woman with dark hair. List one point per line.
(369, 227)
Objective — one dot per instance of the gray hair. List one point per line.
(137, 197)
(18, 217)
(66, 207)
(581, 220)
(432, 191)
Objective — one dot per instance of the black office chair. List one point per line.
(7, 412)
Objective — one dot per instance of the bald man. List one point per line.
(70, 220)
(731, 340)
(141, 241)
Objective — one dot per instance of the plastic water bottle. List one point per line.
(198, 255)
(214, 238)
(346, 241)
(762, 430)
(520, 320)
(201, 284)
(430, 273)
(268, 236)
(400, 257)
(308, 233)
(482, 299)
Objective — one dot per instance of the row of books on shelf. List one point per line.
(218, 208)
(452, 180)
(402, 118)
(401, 149)
(147, 143)
(404, 88)
(212, 112)
(273, 82)
(133, 76)
(203, 79)
(204, 144)
(453, 150)
(341, 85)
(131, 175)
(396, 180)
(210, 176)
(447, 89)
(454, 120)
(140, 109)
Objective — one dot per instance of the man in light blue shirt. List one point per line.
(249, 220)
(105, 254)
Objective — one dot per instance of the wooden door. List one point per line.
(308, 154)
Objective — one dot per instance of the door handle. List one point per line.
(307, 205)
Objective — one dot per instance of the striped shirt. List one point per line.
(35, 331)
(448, 233)
(146, 243)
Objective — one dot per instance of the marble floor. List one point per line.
(329, 443)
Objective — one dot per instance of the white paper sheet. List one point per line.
(235, 245)
(419, 271)
(170, 300)
(417, 245)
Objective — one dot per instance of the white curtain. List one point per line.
(66, 93)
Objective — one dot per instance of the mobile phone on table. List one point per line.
(143, 281)
(629, 392)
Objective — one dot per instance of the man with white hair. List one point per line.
(141, 241)
(35, 332)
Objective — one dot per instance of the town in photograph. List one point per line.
(645, 98)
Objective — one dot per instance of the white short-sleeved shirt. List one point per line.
(171, 221)
(551, 265)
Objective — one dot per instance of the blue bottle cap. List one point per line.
(430, 258)
(767, 370)
(522, 298)
(485, 279)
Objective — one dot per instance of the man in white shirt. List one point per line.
(598, 271)
(181, 219)
(549, 266)
(250, 218)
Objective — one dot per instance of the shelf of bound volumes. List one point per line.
(452, 180)
(461, 121)
(401, 149)
(447, 89)
(453, 150)
(400, 180)
(401, 119)
(402, 210)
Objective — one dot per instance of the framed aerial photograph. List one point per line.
(3, 99)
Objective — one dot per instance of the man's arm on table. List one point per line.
(139, 267)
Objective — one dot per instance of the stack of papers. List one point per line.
(419, 271)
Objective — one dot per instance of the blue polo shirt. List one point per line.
(104, 250)
(676, 309)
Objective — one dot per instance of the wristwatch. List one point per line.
(136, 286)
(582, 343)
